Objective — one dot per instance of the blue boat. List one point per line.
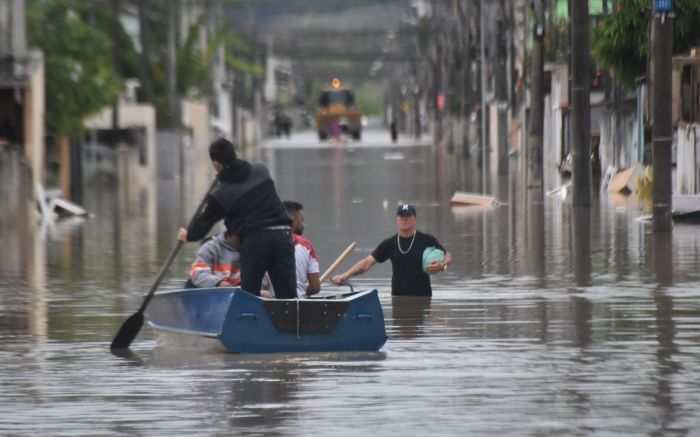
(230, 319)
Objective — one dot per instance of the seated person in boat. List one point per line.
(308, 275)
(217, 263)
(405, 249)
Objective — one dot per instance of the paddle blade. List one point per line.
(128, 332)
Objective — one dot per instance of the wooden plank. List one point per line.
(623, 181)
(473, 199)
(67, 206)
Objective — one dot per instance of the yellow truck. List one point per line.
(337, 113)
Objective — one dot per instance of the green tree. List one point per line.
(80, 80)
(621, 43)
(193, 63)
(97, 15)
(80, 77)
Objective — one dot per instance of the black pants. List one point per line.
(271, 251)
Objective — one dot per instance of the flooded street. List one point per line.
(550, 321)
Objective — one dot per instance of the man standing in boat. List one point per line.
(405, 249)
(308, 272)
(247, 201)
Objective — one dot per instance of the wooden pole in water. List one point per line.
(535, 131)
(482, 81)
(581, 105)
(64, 164)
(663, 122)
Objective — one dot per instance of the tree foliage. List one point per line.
(75, 36)
(622, 41)
(194, 65)
(80, 80)
(193, 62)
(95, 14)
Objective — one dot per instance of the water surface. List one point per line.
(551, 320)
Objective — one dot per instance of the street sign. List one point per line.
(663, 5)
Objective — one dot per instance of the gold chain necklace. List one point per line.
(398, 242)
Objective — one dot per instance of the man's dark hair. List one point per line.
(292, 207)
(222, 151)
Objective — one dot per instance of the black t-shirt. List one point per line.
(407, 275)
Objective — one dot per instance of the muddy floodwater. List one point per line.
(550, 321)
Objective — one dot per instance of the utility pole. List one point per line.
(607, 81)
(171, 64)
(145, 39)
(415, 106)
(663, 122)
(581, 177)
(439, 95)
(482, 81)
(116, 51)
(447, 100)
(535, 131)
(468, 85)
(501, 79)
(512, 74)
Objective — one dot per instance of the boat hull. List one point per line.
(240, 322)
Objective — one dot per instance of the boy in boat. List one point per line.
(217, 264)
(247, 201)
(405, 250)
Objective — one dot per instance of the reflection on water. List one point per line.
(581, 245)
(408, 314)
(552, 320)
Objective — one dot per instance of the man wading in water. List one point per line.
(405, 250)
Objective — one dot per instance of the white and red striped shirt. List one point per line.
(306, 262)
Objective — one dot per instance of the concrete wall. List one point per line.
(133, 116)
(34, 116)
(16, 190)
(618, 138)
(197, 165)
(249, 134)
(557, 107)
(169, 152)
(23, 252)
(493, 137)
(196, 118)
(551, 149)
(687, 141)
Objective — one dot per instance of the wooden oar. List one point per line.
(337, 262)
(133, 324)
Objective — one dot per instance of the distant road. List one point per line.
(370, 138)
